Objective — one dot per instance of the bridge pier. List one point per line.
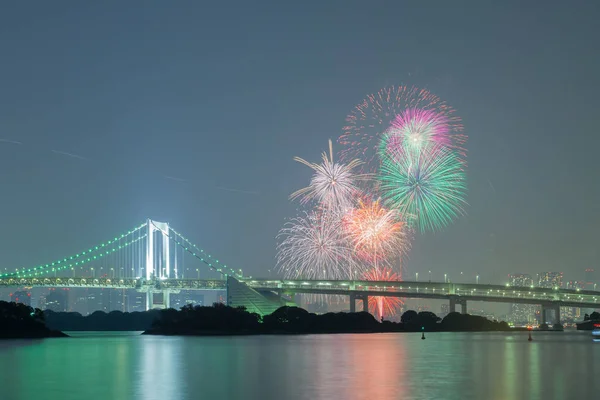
(167, 299)
(550, 307)
(454, 300)
(166, 295)
(149, 300)
(362, 297)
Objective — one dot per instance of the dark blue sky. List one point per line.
(224, 95)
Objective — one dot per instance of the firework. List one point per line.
(414, 128)
(376, 233)
(333, 185)
(315, 246)
(375, 115)
(383, 305)
(427, 184)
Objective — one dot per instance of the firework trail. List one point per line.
(64, 153)
(228, 189)
(315, 246)
(377, 234)
(174, 178)
(10, 141)
(384, 305)
(333, 185)
(428, 184)
(375, 115)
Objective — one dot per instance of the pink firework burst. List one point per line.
(375, 115)
(384, 305)
(377, 233)
(414, 128)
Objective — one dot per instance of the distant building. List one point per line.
(21, 296)
(136, 301)
(520, 280)
(570, 314)
(551, 279)
(484, 313)
(42, 302)
(56, 300)
(591, 278)
(117, 300)
(94, 300)
(575, 285)
(521, 314)
(186, 297)
(80, 302)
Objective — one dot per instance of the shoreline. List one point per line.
(152, 332)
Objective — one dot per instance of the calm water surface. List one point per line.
(380, 366)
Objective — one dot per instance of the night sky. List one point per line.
(191, 113)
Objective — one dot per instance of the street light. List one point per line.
(446, 278)
(417, 276)
(429, 276)
(477, 279)
(93, 273)
(198, 271)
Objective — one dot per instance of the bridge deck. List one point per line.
(434, 290)
(116, 283)
(408, 289)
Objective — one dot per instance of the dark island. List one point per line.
(101, 321)
(19, 321)
(224, 320)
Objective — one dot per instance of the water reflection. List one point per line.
(385, 366)
(157, 369)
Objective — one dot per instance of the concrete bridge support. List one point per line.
(556, 311)
(362, 297)
(166, 296)
(454, 300)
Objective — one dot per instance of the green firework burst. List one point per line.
(427, 185)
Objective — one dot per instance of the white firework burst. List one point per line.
(333, 185)
(315, 246)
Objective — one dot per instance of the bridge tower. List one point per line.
(158, 264)
(164, 269)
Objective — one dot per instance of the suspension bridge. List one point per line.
(148, 258)
(151, 259)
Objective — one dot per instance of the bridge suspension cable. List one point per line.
(217, 266)
(136, 255)
(78, 259)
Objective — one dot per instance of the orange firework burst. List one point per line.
(381, 305)
(376, 232)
